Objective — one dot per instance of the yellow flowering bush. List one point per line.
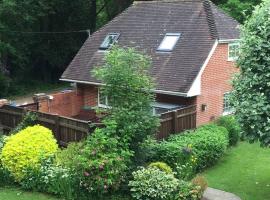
(26, 149)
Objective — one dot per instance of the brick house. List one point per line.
(193, 46)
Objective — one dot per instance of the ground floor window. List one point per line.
(103, 101)
(227, 107)
(160, 108)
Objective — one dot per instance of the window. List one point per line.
(233, 51)
(102, 100)
(227, 107)
(160, 108)
(169, 41)
(109, 40)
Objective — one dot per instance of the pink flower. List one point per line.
(86, 174)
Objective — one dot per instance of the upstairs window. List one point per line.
(169, 42)
(233, 51)
(109, 40)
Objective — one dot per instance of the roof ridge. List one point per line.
(210, 19)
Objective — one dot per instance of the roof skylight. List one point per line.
(169, 42)
(109, 40)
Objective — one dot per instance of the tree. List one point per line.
(252, 86)
(129, 89)
(238, 9)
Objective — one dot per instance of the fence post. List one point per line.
(175, 121)
(56, 128)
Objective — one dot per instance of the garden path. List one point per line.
(214, 194)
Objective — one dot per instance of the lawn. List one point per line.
(244, 171)
(16, 194)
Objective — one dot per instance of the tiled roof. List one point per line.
(144, 24)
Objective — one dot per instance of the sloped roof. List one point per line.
(144, 25)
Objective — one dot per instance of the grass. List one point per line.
(17, 194)
(244, 171)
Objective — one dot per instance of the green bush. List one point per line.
(161, 166)
(152, 184)
(203, 146)
(232, 126)
(5, 176)
(102, 163)
(26, 149)
(188, 191)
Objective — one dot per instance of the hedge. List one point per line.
(207, 144)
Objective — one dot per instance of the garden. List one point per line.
(122, 159)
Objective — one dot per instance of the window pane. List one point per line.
(169, 42)
(233, 51)
(227, 108)
(109, 40)
(102, 99)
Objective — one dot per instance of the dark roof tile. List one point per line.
(144, 24)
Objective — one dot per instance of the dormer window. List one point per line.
(169, 42)
(109, 40)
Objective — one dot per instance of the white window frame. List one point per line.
(235, 57)
(227, 110)
(106, 105)
(178, 35)
(102, 46)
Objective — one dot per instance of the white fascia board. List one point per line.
(180, 94)
(195, 88)
(84, 82)
(229, 41)
(100, 84)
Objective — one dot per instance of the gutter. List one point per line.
(180, 94)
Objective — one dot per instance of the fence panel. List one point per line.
(65, 130)
(177, 121)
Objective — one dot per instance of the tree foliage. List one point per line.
(129, 89)
(252, 87)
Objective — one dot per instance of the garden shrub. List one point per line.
(152, 184)
(161, 166)
(206, 144)
(5, 176)
(200, 181)
(188, 191)
(26, 149)
(102, 163)
(232, 126)
(68, 157)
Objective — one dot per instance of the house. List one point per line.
(193, 45)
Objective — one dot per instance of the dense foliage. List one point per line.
(26, 149)
(251, 87)
(200, 148)
(30, 50)
(128, 87)
(153, 184)
(230, 123)
(161, 166)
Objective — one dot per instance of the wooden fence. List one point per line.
(65, 129)
(68, 130)
(30, 106)
(177, 121)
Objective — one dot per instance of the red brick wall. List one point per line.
(66, 104)
(70, 103)
(215, 82)
(90, 94)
